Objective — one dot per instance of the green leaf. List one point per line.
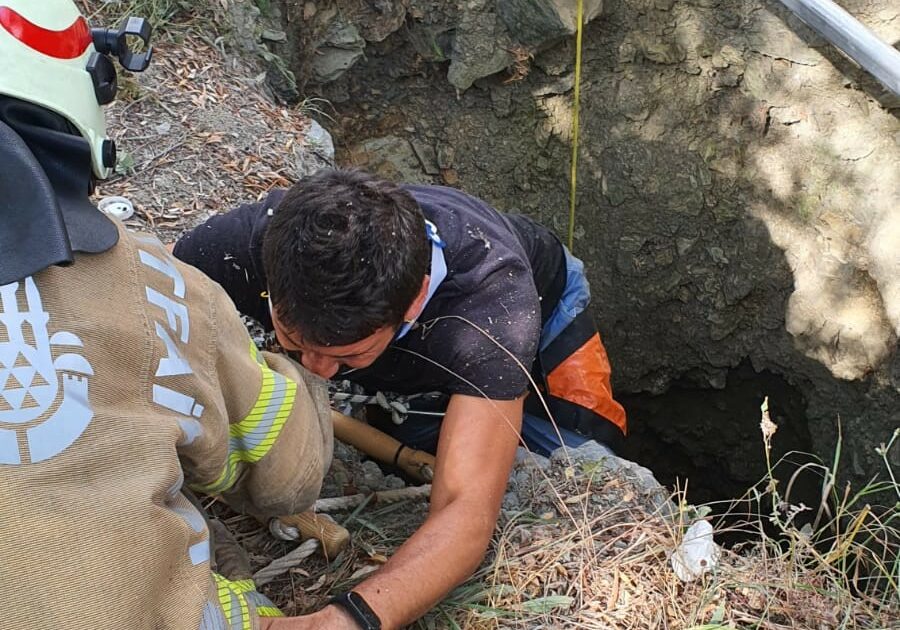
(547, 604)
(125, 164)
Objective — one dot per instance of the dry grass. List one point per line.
(598, 557)
(521, 63)
(591, 548)
(618, 576)
(588, 551)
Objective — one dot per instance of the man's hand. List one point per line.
(329, 618)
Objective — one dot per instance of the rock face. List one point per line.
(738, 199)
(536, 23)
(327, 37)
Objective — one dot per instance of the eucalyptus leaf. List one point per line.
(547, 604)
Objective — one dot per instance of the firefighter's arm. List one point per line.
(275, 443)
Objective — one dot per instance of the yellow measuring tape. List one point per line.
(574, 176)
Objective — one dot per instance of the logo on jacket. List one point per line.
(44, 404)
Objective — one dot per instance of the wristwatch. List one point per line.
(357, 608)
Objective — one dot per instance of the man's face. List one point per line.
(327, 360)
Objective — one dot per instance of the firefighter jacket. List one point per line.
(126, 378)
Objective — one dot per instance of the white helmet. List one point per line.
(57, 73)
(52, 58)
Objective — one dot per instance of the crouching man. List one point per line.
(424, 290)
(127, 377)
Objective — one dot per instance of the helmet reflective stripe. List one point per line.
(45, 47)
(65, 44)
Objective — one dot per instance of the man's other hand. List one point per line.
(329, 618)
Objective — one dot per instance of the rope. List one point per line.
(337, 504)
(574, 175)
(285, 563)
(346, 394)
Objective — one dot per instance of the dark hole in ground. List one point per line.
(709, 440)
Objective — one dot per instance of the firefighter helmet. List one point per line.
(57, 74)
(52, 58)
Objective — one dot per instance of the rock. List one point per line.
(553, 66)
(525, 478)
(445, 155)
(244, 19)
(660, 50)
(271, 35)
(376, 19)
(371, 478)
(525, 459)
(392, 482)
(511, 502)
(315, 152)
(319, 140)
(391, 157)
(590, 451)
(427, 156)
(537, 23)
(341, 48)
(487, 36)
(562, 85)
(250, 28)
(481, 48)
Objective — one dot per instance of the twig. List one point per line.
(161, 154)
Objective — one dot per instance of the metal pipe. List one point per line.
(852, 37)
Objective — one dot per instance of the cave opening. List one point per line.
(708, 441)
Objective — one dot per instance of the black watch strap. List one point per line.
(357, 608)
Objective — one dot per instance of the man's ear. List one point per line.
(415, 309)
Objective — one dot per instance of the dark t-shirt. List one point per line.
(505, 274)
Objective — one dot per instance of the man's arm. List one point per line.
(475, 455)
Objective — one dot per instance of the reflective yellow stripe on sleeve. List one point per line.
(252, 438)
(268, 611)
(234, 604)
(240, 601)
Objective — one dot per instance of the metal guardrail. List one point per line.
(844, 31)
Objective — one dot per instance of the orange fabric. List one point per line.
(583, 378)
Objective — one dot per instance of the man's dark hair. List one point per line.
(345, 254)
